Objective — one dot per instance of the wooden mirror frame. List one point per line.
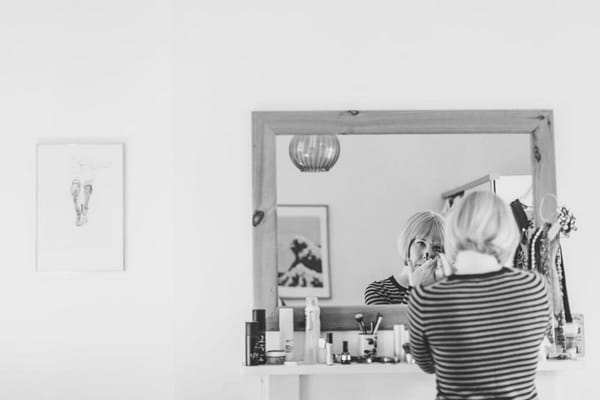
(266, 125)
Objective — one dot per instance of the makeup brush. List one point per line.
(378, 321)
(361, 325)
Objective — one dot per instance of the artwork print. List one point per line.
(303, 251)
(80, 207)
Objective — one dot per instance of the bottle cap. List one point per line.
(345, 346)
(312, 301)
(259, 316)
(252, 328)
(329, 337)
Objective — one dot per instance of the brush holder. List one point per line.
(367, 345)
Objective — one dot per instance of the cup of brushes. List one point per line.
(367, 338)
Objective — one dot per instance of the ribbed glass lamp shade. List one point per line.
(314, 153)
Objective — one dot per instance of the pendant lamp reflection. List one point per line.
(314, 153)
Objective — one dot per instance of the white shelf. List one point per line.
(336, 369)
(374, 369)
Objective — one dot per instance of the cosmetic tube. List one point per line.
(329, 349)
(321, 352)
(259, 315)
(312, 330)
(399, 340)
(286, 332)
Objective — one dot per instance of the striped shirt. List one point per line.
(387, 291)
(480, 334)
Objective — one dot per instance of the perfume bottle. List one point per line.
(345, 357)
(312, 330)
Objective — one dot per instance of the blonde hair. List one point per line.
(482, 222)
(422, 225)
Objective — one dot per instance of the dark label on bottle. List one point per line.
(260, 349)
(252, 348)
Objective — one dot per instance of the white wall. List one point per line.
(232, 59)
(378, 183)
(90, 72)
(172, 325)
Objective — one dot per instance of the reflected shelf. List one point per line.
(375, 369)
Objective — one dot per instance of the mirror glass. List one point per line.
(337, 230)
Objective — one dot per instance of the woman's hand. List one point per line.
(424, 274)
(447, 268)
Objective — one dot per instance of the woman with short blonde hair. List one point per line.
(485, 322)
(419, 244)
(422, 226)
(484, 223)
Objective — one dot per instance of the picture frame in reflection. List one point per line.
(303, 251)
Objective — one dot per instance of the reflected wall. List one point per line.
(377, 183)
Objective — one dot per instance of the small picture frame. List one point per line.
(303, 251)
(80, 207)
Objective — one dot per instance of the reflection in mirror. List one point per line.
(338, 231)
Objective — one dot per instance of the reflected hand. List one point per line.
(425, 273)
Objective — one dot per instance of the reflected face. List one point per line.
(422, 250)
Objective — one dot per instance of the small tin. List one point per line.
(275, 357)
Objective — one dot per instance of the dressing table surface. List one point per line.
(378, 368)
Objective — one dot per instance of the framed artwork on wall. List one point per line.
(303, 251)
(80, 207)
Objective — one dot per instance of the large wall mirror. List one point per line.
(345, 222)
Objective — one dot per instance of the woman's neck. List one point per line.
(402, 277)
(472, 262)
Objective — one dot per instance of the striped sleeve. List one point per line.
(375, 294)
(387, 291)
(419, 345)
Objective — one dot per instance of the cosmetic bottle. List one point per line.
(406, 346)
(399, 340)
(258, 315)
(321, 353)
(312, 330)
(252, 356)
(345, 357)
(286, 332)
(329, 349)
(571, 332)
